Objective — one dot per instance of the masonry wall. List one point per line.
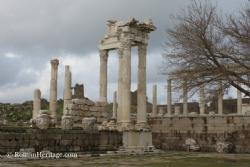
(57, 140)
(170, 133)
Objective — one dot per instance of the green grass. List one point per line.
(159, 160)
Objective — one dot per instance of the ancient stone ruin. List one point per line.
(89, 125)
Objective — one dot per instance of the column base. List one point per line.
(142, 126)
(124, 126)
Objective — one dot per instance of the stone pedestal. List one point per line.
(67, 122)
(43, 120)
(137, 141)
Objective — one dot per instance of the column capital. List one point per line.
(54, 63)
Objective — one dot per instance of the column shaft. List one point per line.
(126, 86)
(202, 99)
(141, 86)
(103, 75)
(185, 98)
(239, 102)
(169, 96)
(120, 89)
(53, 87)
(114, 105)
(154, 101)
(220, 98)
(36, 103)
(67, 95)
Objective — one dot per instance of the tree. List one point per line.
(205, 48)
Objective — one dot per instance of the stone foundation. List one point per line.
(170, 133)
(57, 140)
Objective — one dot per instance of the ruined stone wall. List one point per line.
(170, 133)
(57, 140)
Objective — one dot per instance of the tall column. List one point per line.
(220, 98)
(120, 89)
(114, 105)
(67, 95)
(169, 96)
(142, 86)
(53, 88)
(239, 102)
(185, 98)
(103, 75)
(36, 103)
(126, 85)
(154, 107)
(202, 99)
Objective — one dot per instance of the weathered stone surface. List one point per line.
(67, 122)
(225, 147)
(191, 145)
(89, 124)
(43, 120)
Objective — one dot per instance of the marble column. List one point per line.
(36, 103)
(103, 75)
(67, 95)
(126, 85)
(114, 106)
(154, 101)
(142, 86)
(239, 102)
(169, 97)
(185, 98)
(53, 88)
(220, 98)
(202, 99)
(120, 89)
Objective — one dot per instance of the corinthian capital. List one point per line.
(54, 63)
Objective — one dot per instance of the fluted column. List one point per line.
(103, 75)
(53, 87)
(142, 86)
(67, 95)
(202, 99)
(36, 103)
(169, 97)
(114, 105)
(185, 98)
(239, 102)
(220, 98)
(154, 101)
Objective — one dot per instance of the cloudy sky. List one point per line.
(34, 31)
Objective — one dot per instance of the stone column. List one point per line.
(126, 85)
(36, 103)
(154, 101)
(103, 75)
(53, 88)
(202, 99)
(114, 105)
(239, 102)
(142, 86)
(67, 95)
(169, 97)
(120, 89)
(185, 98)
(220, 99)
